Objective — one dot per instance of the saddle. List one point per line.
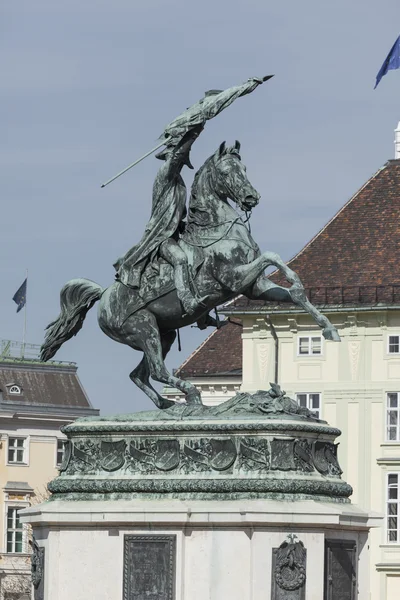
(157, 278)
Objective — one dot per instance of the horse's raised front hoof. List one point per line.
(331, 333)
(193, 397)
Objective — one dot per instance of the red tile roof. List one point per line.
(354, 259)
(361, 244)
(219, 354)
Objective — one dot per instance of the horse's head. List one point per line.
(231, 178)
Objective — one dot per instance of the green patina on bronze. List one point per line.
(259, 445)
(189, 260)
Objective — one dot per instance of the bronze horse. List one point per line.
(225, 262)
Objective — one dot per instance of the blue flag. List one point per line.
(392, 61)
(20, 296)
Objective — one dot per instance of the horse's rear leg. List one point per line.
(159, 372)
(141, 331)
(140, 376)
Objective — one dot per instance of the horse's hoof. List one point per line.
(331, 333)
(193, 397)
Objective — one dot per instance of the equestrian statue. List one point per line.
(189, 260)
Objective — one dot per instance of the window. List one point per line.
(393, 417)
(312, 401)
(310, 346)
(14, 531)
(60, 451)
(394, 344)
(17, 450)
(15, 389)
(393, 505)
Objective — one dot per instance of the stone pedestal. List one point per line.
(220, 550)
(243, 501)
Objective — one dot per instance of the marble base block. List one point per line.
(193, 550)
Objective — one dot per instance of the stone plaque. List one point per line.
(149, 567)
(340, 570)
(37, 569)
(289, 563)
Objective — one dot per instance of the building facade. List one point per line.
(351, 272)
(36, 399)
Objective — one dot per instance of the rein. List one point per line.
(238, 220)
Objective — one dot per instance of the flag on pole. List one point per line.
(20, 296)
(392, 61)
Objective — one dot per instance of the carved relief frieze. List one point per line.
(142, 455)
(303, 455)
(325, 458)
(190, 455)
(167, 455)
(254, 454)
(282, 454)
(112, 455)
(208, 454)
(85, 457)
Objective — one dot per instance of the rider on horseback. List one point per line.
(162, 231)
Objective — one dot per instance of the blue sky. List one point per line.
(87, 87)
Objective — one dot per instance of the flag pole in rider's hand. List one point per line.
(205, 109)
(134, 163)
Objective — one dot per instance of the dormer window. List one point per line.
(15, 389)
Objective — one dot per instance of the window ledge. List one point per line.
(15, 554)
(388, 460)
(390, 444)
(388, 567)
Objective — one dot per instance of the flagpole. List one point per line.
(24, 331)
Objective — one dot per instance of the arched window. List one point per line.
(15, 389)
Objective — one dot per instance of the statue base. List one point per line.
(181, 550)
(252, 446)
(242, 501)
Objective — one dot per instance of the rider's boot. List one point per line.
(190, 301)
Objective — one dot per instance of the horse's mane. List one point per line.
(211, 159)
(195, 183)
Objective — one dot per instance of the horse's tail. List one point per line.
(76, 298)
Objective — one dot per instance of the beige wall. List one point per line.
(353, 378)
(39, 470)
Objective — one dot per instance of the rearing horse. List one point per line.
(225, 262)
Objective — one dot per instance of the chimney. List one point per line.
(397, 141)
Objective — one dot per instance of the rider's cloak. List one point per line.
(168, 210)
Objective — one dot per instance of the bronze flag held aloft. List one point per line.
(214, 102)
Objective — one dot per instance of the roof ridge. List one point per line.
(353, 197)
(308, 244)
